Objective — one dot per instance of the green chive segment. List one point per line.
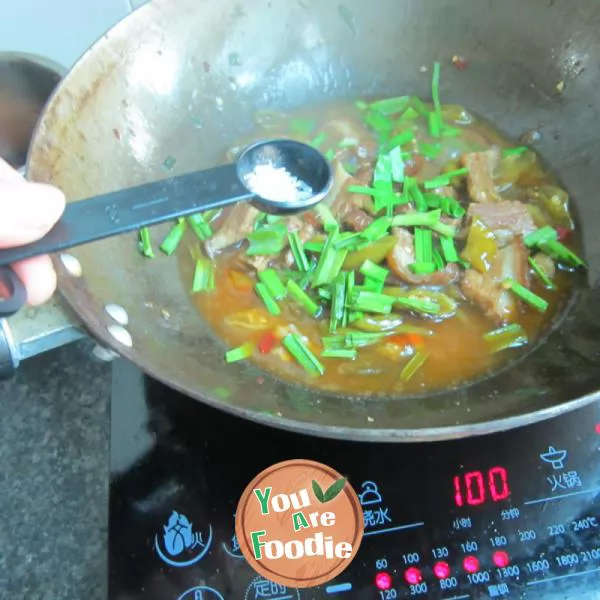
(526, 295)
(510, 336)
(240, 353)
(305, 358)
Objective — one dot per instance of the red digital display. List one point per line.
(478, 487)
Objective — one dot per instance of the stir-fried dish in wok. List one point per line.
(441, 252)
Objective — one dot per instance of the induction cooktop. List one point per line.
(508, 515)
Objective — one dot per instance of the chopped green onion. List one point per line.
(540, 236)
(438, 260)
(541, 273)
(347, 240)
(509, 336)
(318, 140)
(263, 291)
(240, 353)
(362, 189)
(330, 154)
(358, 339)
(435, 124)
(417, 219)
(423, 268)
(561, 253)
(514, 151)
(410, 114)
(297, 250)
(374, 271)
(418, 304)
(354, 315)
(438, 121)
(434, 201)
(330, 262)
(444, 229)
(397, 165)
(430, 150)
(526, 295)
(418, 105)
(452, 207)
(449, 249)
(390, 106)
(338, 304)
(311, 307)
(324, 213)
(418, 198)
(383, 169)
(200, 227)
(378, 122)
(302, 126)
(305, 278)
(361, 105)
(267, 240)
(444, 179)
(423, 245)
(373, 302)
(402, 138)
(315, 246)
(296, 347)
(350, 353)
(171, 241)
(146, 243)
(377, 229)
(204, 276)
(324, 293)
(274, 284)
(413, 365)
(372, 285)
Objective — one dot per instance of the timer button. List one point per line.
(441, 570)
(471, 564)
(383, 581)
(501, 558)
(413, 576)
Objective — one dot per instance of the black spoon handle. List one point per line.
(130, 209)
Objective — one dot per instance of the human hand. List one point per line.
(27, 213)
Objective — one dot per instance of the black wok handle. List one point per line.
(122, 211)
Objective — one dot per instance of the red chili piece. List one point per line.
(267, 343)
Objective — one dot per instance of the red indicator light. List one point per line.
(501, 558)
(471, 564)
(383, 581)
(598, 428)
(413, 576)
(441, 570)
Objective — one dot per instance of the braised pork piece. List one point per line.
(441, 252)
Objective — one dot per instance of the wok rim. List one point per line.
(355, 434)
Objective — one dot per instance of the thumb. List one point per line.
(27, 211)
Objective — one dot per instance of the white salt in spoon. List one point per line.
(281, 177)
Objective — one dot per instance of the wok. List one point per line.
(183, 79)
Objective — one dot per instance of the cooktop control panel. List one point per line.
(511, 515)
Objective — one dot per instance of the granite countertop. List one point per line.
(54, 439)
